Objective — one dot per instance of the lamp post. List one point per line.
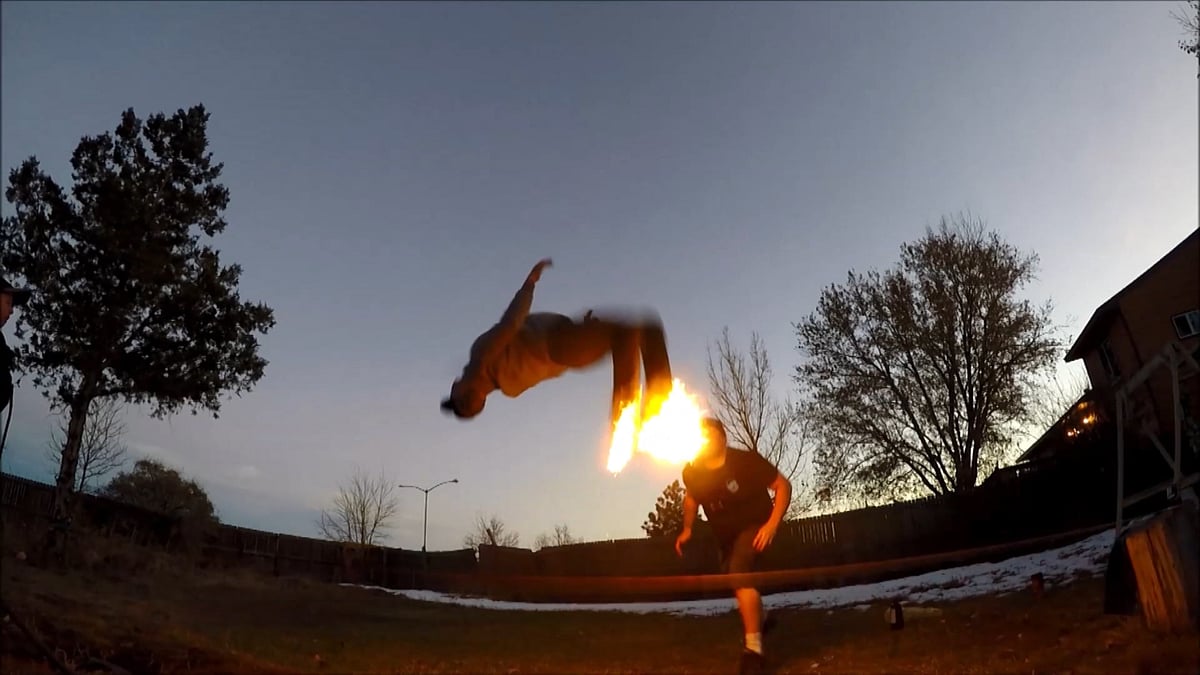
(425, 526)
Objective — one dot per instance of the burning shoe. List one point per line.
(666, 428)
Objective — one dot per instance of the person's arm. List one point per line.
(690, 509)
(783, 498)
(503, 332)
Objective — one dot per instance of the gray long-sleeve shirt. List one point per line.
(513, 355)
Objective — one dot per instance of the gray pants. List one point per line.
(582, 342)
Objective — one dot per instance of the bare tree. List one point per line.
(100, 450)
(920, 376)
(362, 511)
(1189, 20)
(490, 531)
(561, 537)
(741, 387)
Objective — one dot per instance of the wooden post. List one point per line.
(1037, 584)
(1165, 555)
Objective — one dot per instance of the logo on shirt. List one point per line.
(732, 485)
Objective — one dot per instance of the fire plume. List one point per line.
(672, 435)
(624, 439)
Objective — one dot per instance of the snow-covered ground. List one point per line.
(1083, 558)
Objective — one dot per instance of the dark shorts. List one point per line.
(633, 343)
(738, 554)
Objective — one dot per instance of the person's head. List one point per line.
(466, 399)
(10, 297)
(715, 440)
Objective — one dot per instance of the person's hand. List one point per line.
(765, 535)
(682, 539)
(535, 274)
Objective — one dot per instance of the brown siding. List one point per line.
(1142, 326)
(1095, 371)
(1148, 307)
(1173, 288)
(1128, 360)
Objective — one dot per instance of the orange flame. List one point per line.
(672, 436)
(624, 439)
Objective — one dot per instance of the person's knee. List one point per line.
(650, 320)
(636, 317)
(747, 598)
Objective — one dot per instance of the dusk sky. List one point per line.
(396, 169)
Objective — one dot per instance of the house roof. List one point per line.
(1052, 432)
(1105, 312)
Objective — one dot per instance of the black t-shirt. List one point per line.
(734, 495)
(6, 366)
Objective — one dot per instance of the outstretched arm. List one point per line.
(783, 498)
(503, 332)
(690, 509)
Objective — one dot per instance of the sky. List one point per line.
(395, 170)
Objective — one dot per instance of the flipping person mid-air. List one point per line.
(525, 349)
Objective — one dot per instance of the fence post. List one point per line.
(386, 570)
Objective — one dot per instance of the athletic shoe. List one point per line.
(752, 663)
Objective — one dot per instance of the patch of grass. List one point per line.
(168, 620)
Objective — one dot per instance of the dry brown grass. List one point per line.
(167, 616)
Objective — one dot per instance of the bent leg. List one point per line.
(627, 374)
(581, 343)
(653, 345)
(741, 559)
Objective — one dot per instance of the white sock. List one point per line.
(754, 642)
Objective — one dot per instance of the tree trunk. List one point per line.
(64, 484)
(82, 470)
(965, 478)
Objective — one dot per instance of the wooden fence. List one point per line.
(26, 506)
(1071, 493)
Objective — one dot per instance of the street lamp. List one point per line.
(425, 527)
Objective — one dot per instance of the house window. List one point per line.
(1187, 324)
(1109, 361)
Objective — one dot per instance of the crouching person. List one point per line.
(733, 487)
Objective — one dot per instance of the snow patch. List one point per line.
(1062, 565)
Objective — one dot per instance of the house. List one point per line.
(1082, 423)
(1159, 308)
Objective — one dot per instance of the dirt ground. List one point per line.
(170, 619)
